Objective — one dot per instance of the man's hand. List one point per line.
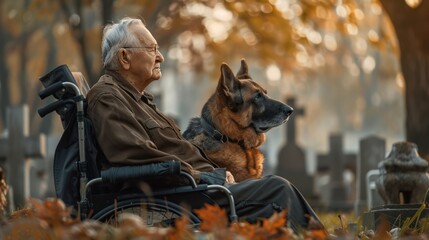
(229, 177)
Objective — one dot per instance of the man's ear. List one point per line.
(124, 59)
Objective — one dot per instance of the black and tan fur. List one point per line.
(233, 123)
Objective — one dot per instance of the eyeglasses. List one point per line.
(154, 48)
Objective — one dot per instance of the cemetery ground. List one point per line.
(50, 219)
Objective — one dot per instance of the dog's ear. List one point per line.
(229, 85)
(243, 73)
(228, 82)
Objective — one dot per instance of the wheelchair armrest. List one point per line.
(190, 179)
(120, 174)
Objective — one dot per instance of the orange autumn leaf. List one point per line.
(53, 211)
(26, 228)
(181, 230)
(382, 231)
(270, 228)
(213, 218)
(319, 234)
(23, 213)
(275, 222)
(245, 229)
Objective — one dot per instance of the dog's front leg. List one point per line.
(251, 163)
(255, 161)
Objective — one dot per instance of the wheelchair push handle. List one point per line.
(51, 90)
(53, 106)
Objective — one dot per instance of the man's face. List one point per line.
(145, 58)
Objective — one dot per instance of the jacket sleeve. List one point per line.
(122, 138)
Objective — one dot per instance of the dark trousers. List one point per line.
(256, 199)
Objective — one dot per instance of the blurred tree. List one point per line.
(409, 18)
(236, 26)
(24, 27)
(200, 34)
(84, 23)
(4, 71)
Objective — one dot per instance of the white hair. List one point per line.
(116, 36)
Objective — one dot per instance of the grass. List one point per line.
(348, 224)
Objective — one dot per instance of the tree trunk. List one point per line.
(107, 11)
(4, 79)
(413, 37)
(78, 33)
(46, 124)
(23, 86)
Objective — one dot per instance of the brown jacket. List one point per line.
(131, 130)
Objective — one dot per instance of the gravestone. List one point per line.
(372, 150)
(291, 158)
(47, 182)
(41, 174)
(335, 162)
(16, 149)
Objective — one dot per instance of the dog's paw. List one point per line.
(252, 171)
(252, 142)
(258, 173)
(255, 142)
(262, 138)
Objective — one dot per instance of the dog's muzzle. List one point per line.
(265, 126)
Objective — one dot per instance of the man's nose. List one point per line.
(159, 56)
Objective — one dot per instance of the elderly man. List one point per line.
(131, 130)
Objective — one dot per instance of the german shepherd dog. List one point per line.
(234, 121)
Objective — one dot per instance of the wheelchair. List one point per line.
(92, 192)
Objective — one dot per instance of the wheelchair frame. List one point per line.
(120, 174)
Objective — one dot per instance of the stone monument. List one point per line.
(291, 158)
(403, 184)
(404, 177)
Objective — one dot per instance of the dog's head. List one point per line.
(248, 101)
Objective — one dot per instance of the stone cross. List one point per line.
(372, 150)
(16, 149)
(291, 158)
(335, 162)
(290, 125)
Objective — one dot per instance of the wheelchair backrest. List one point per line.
(67, 166)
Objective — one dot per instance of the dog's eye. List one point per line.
(258, 96)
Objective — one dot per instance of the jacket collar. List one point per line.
(124, 84)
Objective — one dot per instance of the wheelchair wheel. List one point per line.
(156, 213)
